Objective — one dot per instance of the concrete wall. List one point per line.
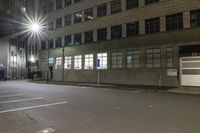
(139, 76)
(4, 49)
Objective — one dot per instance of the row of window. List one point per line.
(115, 4)
(173, 22)
(88, 14)
(133, 60)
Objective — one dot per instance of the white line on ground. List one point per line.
(20, 100)
(13, 95)
(136, 91)
(32, 107)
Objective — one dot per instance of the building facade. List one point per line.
(138, 42)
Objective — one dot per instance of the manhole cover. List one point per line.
(46, 130)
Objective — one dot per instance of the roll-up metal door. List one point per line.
(190, 71)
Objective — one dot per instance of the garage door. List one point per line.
(190, 71)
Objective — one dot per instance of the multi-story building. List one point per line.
(140, 42)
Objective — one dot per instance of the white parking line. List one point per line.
(32, 107)
(13, 95)
(28, 99)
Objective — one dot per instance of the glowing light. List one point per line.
(32, 59)
(35, 27)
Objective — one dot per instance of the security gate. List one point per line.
(190, 71)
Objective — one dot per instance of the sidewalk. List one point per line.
(181, 90)
(186, 90)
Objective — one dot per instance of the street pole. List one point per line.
(48, 58)
(63, 59)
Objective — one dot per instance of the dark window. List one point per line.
(88, 36)
(152, 25)
(58, 42)
(58, 4)
(116, 32)
(77, 17)
(50, 43)
(131, 4)
(68, 2)
(150, 1)
(59, 23)
(174, 22)
(50, 25)
(77, 39)
(102, 34)
(75, 1)
(195, 18)
(116, 6)
(132, 29)
(68, 20)
(68, 40)
(51, 7)
(102, 10)
(43, 45)
(88, 14)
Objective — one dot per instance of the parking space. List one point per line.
(11, 101)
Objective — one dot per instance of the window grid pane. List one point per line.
(102, 57)
(78, 62)
(89, 62)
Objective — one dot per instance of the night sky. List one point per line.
(4, 4)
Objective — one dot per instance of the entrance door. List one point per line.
(190, 71)
(51, 72)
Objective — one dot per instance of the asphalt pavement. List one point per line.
(47, 108)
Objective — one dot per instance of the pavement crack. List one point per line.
(28, 116)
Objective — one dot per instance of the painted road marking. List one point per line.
(28, 99)
(13, 95)
(32, 107)
(136, 91)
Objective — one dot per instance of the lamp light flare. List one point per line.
(35, 27)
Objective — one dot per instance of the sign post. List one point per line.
(98, 71)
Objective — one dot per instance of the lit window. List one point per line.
(77, 17)
(116, 59)
(133, 59)
(50, 60)
(68, 62)
(89, 14)
(89, 61)
(58, 61)
(78, 62)
(102, 61)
